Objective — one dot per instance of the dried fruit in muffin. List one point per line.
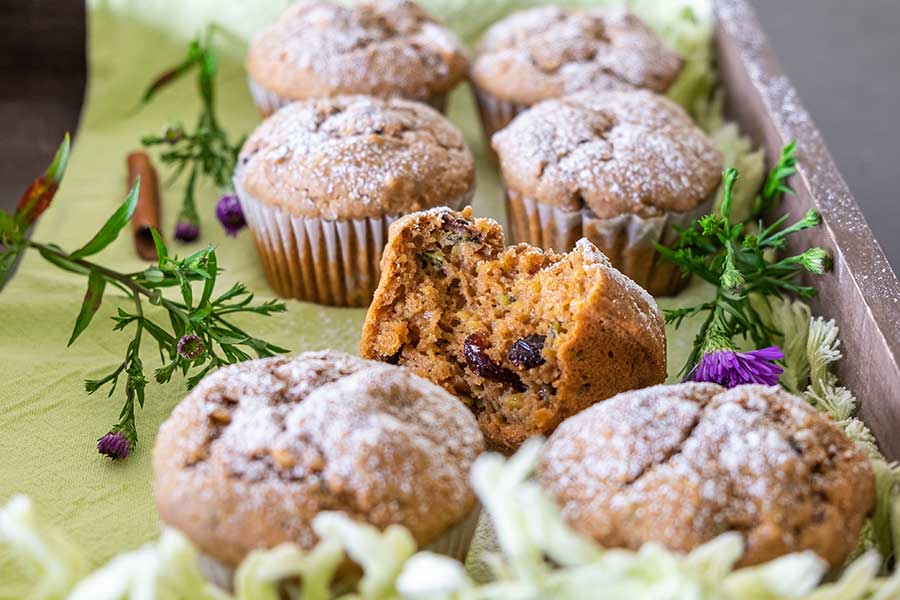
(682, 464)
(258, 449)
(525, 337)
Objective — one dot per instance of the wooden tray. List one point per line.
(862, 293)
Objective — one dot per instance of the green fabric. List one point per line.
(48, 424)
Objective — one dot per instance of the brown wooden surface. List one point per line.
(42, 79)
(862, 293)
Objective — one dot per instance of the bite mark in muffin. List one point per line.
(525, 337)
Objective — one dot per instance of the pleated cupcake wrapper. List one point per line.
(333, 262)
(267, 101)
(496, 113)
(628, 240)
(454, 542)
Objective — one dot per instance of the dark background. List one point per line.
(843, 57)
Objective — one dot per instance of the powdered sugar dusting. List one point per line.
(379, 47)
(356, 156)
(615, 152)
(548, 52)
(267, 444)
(681, 464)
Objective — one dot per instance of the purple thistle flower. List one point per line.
(190, 346)
(114, 444)
(229, 212)
(731, 368)
(185, 231)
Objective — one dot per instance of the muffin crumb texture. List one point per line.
(549, 52)
(381, 48)
(258, 449)
(682, 464)
(354, 157)
(612, 153)
(525, 337)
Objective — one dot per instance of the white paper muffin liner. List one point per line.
(267, 101)
(627, 240)
(496, 113)
(332, 262)
(454, 542)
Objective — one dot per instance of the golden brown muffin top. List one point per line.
(616, 153)
(684, 463)
(548, 52)
(355, 156)
(258, 449)
(377, 47)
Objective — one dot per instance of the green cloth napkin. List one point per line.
(48, 424)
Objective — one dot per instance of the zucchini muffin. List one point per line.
(258, 449)
(550, 52)
(320, 181)
(524, 337)
(681, 464)
(385, 48)
(619, 168)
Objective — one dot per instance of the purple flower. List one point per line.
(114, 444)
(229, 212)
(731, 368)
(190, 346)
(186, 231)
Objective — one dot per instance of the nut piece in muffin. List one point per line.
(619, 168)
(385, 48)
(320, 181)
(258, 449)
(681, 464)
(525, 337)
(550, 52)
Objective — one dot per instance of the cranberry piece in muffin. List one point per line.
(525, 337)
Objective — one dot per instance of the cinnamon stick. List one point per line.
(146, 214)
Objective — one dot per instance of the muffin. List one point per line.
(549, 52)
(258, 449)
(619, 168)
(384, 48)
(320, 181)
(524, 337)
(681, 464)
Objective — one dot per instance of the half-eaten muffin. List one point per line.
(525, 337)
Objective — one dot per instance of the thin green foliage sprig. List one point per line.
(205, 152)
(194, 333)
(740, 260)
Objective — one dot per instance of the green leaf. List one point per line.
(110, 230)
(9, 231)
(40, 193)
(173, 74)
(161, 252)
(57, 168)
(62, 263)
(209, 285)
(92, 299)
(7, 260)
